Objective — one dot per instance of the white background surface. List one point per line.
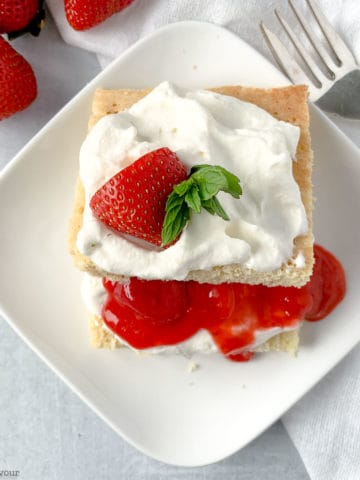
(45, 430)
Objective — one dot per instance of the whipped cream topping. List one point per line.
(94, 296)
(201, 127)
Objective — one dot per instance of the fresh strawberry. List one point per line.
(20, 16)
(84, 14)
(133, 201)
(17, 81)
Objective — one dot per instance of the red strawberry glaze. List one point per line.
(153, 313)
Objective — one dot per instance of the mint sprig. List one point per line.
(198, 191)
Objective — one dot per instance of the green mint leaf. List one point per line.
(214, 207)
(198, 191)
(183, 187)
(173, 208)
(207, 204)
(174, 222)
(193, 200)
(173, 201)
(232, 183)
(209, 180)
(213, 178)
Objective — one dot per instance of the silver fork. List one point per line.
(335, 87)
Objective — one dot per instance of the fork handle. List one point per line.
(343, 97)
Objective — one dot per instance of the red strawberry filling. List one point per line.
(152, 313)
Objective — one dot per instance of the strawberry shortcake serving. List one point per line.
(192, 221)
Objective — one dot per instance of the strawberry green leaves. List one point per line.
(198, 191)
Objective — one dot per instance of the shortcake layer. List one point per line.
(287, 104)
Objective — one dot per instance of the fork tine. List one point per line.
(338, 46)
(283, 58)
(324, 56)
(309, 62)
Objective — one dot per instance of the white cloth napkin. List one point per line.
(324, 425)
(112, 37)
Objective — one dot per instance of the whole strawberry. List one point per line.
(21, 16)
(17, 81)
(84, 14)
(133, 201)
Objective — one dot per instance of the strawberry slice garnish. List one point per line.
(133, 201)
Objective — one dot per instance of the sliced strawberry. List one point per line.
(133, 201)
(84, 14)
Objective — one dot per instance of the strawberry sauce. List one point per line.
(154, 313)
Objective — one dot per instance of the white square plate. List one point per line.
(153, 402)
